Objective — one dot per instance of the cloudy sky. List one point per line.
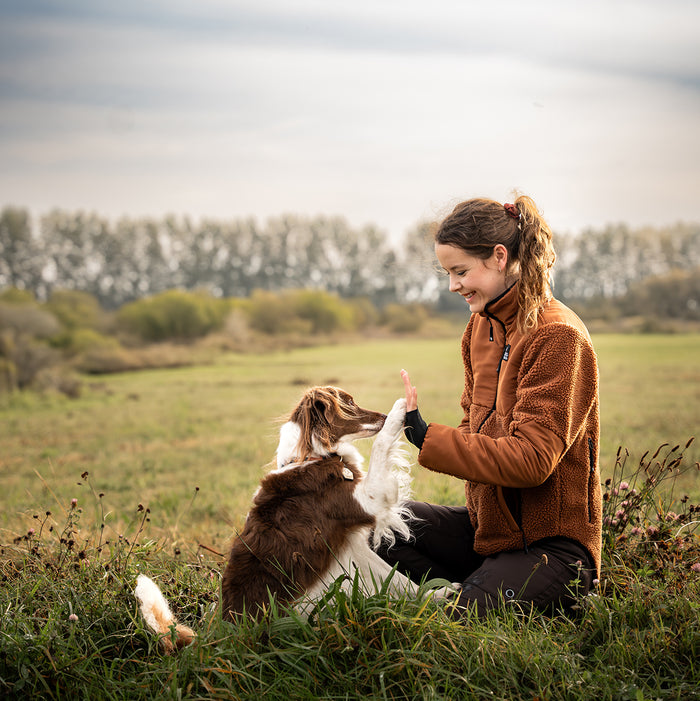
(382, 111)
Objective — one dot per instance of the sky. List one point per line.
(385, 112)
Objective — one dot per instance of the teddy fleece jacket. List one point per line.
(528, 444)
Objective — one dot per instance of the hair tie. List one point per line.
(512, 210)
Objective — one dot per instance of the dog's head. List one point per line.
(326, 417)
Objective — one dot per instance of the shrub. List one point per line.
(404, 318)
(74, 309)
(172, 315)
(324, 311)
(27, 319)
(306, 312)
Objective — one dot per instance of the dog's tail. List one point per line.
(159, 617)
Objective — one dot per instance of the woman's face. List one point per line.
(478, 281)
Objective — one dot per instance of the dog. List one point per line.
(315, 517)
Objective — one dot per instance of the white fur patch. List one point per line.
(154, 607)
(289, 440)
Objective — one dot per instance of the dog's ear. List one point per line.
(323, 408)
(313, 415)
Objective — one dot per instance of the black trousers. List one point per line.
(550, 575)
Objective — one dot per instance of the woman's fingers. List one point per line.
(411, 392)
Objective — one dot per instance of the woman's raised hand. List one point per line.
(411, 392)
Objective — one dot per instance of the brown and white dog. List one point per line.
(313, 516)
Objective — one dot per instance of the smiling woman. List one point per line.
(528, 445)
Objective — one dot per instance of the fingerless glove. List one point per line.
(415, 428)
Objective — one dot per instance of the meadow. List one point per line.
(154, 470)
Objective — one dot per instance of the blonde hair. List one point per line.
(478, 225)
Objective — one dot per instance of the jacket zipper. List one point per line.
(504, 358)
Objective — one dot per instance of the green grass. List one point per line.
(152, 437)
(173, 457)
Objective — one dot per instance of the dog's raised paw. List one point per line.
(395, 419)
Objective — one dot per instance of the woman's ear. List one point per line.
(500, 256)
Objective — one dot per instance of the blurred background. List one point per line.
(382, 112)
(231, 154)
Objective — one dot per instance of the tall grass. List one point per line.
(70, 627)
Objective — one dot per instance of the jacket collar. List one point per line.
(504, 308)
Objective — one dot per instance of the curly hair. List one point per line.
(478, 225)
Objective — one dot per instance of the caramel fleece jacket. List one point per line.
(528, 444)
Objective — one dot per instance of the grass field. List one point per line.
(173, 457)
(153, 437)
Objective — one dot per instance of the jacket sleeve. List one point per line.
(557, 385)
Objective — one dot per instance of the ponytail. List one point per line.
(536, 257)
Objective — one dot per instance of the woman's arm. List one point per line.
(557, 386)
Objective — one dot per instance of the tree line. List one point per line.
(123, 261)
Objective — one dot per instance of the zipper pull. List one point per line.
(490, 331)
(506, 352)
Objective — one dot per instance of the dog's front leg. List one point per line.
(386, 487)
(380, 460)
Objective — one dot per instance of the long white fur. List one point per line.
(154, 607)
(387, 486)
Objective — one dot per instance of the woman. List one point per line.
(527, 447)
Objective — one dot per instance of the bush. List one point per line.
(324, 311)
(23, 359)
(27, 320)
(74, 309)
(404, 318)
(172, 315)
(299, 311)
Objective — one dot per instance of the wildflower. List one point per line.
(30, 532)
(624, 486)
(671, 516)
(73, 618)
(636, 531)
(695, 567)
(620, 513)
(73, 503)
(595, 582)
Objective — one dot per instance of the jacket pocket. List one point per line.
(506, 509)
(592, 476)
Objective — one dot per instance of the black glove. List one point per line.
(415, 428)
